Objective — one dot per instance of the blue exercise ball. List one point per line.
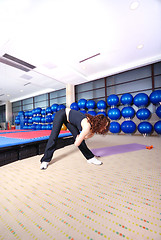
(53, 116)
(43, 112)
(126, 99)
(155, 97)
(141, 100)
(60, 107)
(30, 121)
(43, 127)
(38, 111)
(49, 126)
(43, 120)
(26, 114)
(82, 103)
(33, 126)
(128, 127)
(90, 104)
(30, 114)
(38, 127)
(54, 107)
(21, 113)
(114, 113)
(158, 111)
(17, 121)
(128, 112)
(93, 113)
(145, 127)
(74, 106)
(37, 119)
(48, 119)
(83, 111)
(48, 110)
(33, 112)
(99, 113)
(115, 127)
(101, 104)
(113, 100)
(143, 114)
(25, 121)
(157, 127)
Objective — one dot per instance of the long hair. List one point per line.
(99, 124)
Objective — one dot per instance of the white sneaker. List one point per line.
(44, 165)
(94, 161)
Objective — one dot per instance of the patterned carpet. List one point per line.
(120, 199)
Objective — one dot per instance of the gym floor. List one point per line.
(71, 199)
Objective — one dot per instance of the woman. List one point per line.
(82, 126)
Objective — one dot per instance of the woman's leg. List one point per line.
(59, 119)
(83, 147)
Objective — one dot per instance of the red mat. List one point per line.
(31, 134)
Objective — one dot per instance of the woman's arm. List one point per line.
(85, 133)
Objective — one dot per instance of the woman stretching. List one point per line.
(82, 126)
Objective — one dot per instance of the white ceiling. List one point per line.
(55, 35)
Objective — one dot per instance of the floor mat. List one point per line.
(107, 151)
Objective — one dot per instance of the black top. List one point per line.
(75, 118)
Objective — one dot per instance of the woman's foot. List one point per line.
(94, 161)
(44, 165)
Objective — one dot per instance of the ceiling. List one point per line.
(72, 42)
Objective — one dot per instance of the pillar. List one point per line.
(8, 112)
(70, 94)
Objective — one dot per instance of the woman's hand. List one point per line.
(89, 135)
(82, 137)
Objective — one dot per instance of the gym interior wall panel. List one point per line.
(135, 74)
(27, 101)
(100, 83)
(59, 93)
(86, 95)
(28, 107)
(157, 81)
(42, 104)
(16, 109)
(16, 104)
(61, 100)
(40, 98)
(136, 86)
(53, 101)
(157, 68)
(2, 113)
(99, 93)
(84, 87)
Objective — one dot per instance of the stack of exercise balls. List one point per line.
(101, 105)
(82, 105)
(90, 105)
(155, 98)
(114, 113)
(38, 118)
(120, 111)
(128, 113)
(141, 100)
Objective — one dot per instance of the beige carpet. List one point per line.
(120, 199)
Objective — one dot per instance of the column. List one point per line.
(70, 94)
(8, 111)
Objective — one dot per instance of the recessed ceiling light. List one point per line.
(134, 5)
(8, 95)
(140, 46)
(21, 90)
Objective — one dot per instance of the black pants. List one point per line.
(59, 119)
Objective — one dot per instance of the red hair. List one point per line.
(99, 124)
